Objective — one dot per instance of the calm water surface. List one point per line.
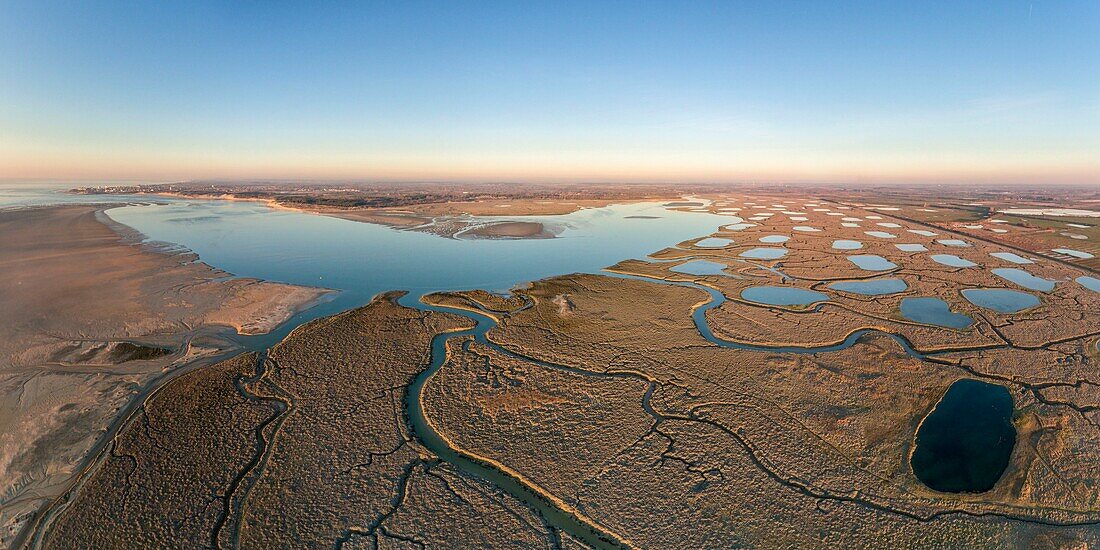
(1000, 299)
(933, 311)
(782, 295)
(1091, 283)
(713, 242)
(764, 253)
(1011, 257)
(952, 260)
(876, 287)
(965, 443)
(775, 239)
(700, 267)
(871, 262)
(1024, 279)
(361, 260)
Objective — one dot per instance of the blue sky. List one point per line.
(638, 91)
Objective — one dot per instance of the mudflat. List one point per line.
(88, 319)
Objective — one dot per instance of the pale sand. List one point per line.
(69, 285)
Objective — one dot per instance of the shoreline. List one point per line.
(124, 289)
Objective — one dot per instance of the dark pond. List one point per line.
(965, 443)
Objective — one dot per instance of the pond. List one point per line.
(782, 295)
(952, 260)
(738, 226)
(1091, 283)
(933, 311)
(911, 247)
(713, 242)
(876, 287)
(953, 242)
(700, 267)
(1024, 279)
(966, 442)
(1011, 257)
(845, 244)
(1075, 253)
(870, 262)
(881, 234)
(775, 239)
(1000, 299)
(764, 253)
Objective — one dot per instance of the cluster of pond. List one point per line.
(927, 310)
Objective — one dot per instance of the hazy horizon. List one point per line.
(722, 93)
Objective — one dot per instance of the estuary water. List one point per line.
(361, 260)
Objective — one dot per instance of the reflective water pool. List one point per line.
(875, 287)
(933, 311)
(1000, 299)
(1011, 257)
(764, 253)
(845, 244)
(782, 295)
(1091, 283)
(870, 262)
(713, 242)
(952, 260)
(700, 267)
(1024, 279)
(359, 259)
(774, 239)
(965, 443)
(953, 242)
(881, 234)
(1075, 253)
(911, 247)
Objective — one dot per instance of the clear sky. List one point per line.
(908, 91)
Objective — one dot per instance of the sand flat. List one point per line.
(72, 290)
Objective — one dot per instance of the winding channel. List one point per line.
(556, 513)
